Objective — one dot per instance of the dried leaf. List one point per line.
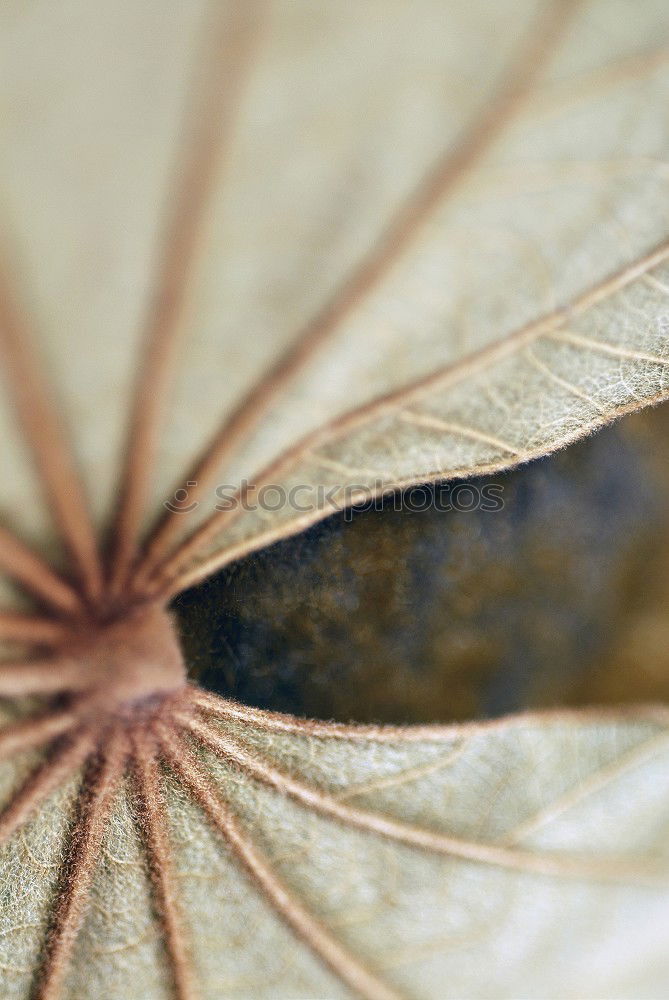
(461, 211)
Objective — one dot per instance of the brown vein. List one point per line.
(22, 564)
(459, 430)
(400, 233)
(615, 350)
(655, 283)
(170, 580)
(227, 710)
(343, 469)
(32, 629)
(637, 756)
(543, 863)
(210, 124)
(36, 731)
(45, 779)
(167, 588)
(42, 428)
(304, 924)
(277, 722)
(41, 676)
(562, 382)
(407, 775)
(603, 78)
(155, 832)
(79, 868)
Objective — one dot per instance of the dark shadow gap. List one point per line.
(557, 598)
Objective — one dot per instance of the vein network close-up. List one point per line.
(334, 518)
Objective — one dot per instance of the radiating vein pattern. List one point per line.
(160, 838)
(182, 735)
(402, 230)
